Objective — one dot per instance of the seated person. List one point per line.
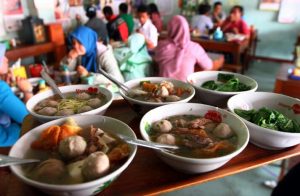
(91, 54)
(96, 24)
(128, 18)
(134, 60)
(177, 55)
(147, 28)
(155, 16)
(218, 16)
(202, 22)
(234, 23)
(116, 27)
(12, 109)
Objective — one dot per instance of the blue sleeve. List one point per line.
(10, 104)
(9, 135)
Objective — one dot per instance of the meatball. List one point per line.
(72, 146)
(48, 111)
(83, 96)
(172, 98)
(223, 131)
(50, 170)
(65, 112)
(95, 166)
(94, 103)
(85, 108)
(166, 139)
(48, 103)
(162, 126)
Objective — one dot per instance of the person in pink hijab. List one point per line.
(177, 55)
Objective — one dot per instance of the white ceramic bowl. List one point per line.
(142, 107)
(216, 98)
(88, 188)
(195, 165)
(263, 137)
(65, 89)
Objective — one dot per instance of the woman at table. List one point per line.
(235, 23)
(91, 54)
(177, 55)
(134, 60)
(12, 109)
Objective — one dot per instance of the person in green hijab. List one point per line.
(134, 60)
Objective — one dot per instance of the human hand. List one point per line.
(235, 30)
(77, 17)
(23, 84)
(82, 71)
(72, 54)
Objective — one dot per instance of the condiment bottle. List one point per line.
(66, 78)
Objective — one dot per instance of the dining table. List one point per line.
(147, 174)
(235, 48)
(284, 84)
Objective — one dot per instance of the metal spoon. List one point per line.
(153, 145)
(52, 84)
(122, 86)
(7, 161)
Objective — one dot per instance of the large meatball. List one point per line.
(162, 126)
(48, 103)
(85, 108)
(94, 103)
(72, 146)
(50, 170)
(65, 112)
(172, 98)
(223, 131)
(48, 111)
(83, 96)
(95, 165)
(166, 138)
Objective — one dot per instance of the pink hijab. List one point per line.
(170, 53)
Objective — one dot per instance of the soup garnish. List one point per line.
(71, 154)
(164, 91)
(196, 136)
(226, 83)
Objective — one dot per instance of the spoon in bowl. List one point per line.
(51, 83)
(7, 161)
(147, 144)
(122, 86)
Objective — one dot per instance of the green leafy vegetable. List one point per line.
(226, 83)
(225, 77)
(270, 119)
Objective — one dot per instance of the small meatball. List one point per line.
(50, 170)
(172, 98)
(85, 109)
(48, 103)
(48, 111)
(83, 96)
(168, 85)
(65, 112)
(166, 139)
(163, 126)
(223, 131)
(94, 103)
(162, 92)
(95, 166)
(72, 146)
